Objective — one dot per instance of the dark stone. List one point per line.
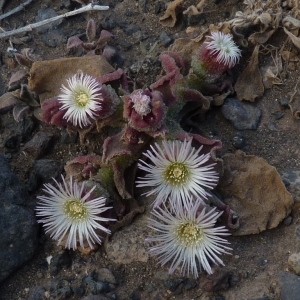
(288, 220)
(131, 29)
(278, 114)
(95, 287)
(136, 295)
(198, 19)
(284, 101)
(25, 129)
(289, 286)
(53, 38)
(64, 293)
(106, 275)
(68, 138)
(241, 115)
(218, 297)
(38, 145)
(95, 297)
(44, 14)
(59, 261)
(238, 141)
(166, 39)
(173, 284)
(109, 23)
(38, 293)
(159, 7)
(18, 227)
(46, 169)
(12, 143)
(143, 5)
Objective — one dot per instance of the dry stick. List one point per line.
(15, 10)
(29, 27)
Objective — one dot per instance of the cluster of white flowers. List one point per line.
(184, 232)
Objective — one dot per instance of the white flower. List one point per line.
(141, 103)
(178, 171)
(81, 99)
(224, 47)
(70, 216)
(186, 236)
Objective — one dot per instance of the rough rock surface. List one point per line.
(241, 115)
(18, 229)
(126, 247)
(254, 189)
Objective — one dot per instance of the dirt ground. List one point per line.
(256, 260)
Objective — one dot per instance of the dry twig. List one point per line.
(15, 10)
(30, 27)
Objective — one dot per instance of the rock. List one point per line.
(44, 14)
(238, 141)
(254, 190)
(294, 263)
(128, 245)
(18, 227)
(166, 39)
(291, 179)
(60, 261)
(54, 38)
(38, 145)
(94, 286)
(197, 19)
(95, 297)
(38, 293)
(289, 286)
(46, 169)
(241, 115)
(106, 276)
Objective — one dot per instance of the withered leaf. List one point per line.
(249, 85)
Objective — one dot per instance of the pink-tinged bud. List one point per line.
(217, 54)
(144, 110)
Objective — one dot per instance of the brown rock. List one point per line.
(254, 189)
(294, 263)
(46, 77)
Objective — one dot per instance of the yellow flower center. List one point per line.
(75, 209)
(176, 174)
(82, 99)
(189, 234)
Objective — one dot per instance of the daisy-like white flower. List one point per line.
(223, 47)
(81, 99)
(186, 237)
(177, 170)
(71, 215)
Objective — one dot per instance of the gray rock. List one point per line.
(54, 38)
(95, 297)
(291, 179)
(106, 276)
(289, 286)
(166, 39)
(45, 169)
(18, 227)
(241, 115)
(44, 14)
(38, 145)
(38, 293)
